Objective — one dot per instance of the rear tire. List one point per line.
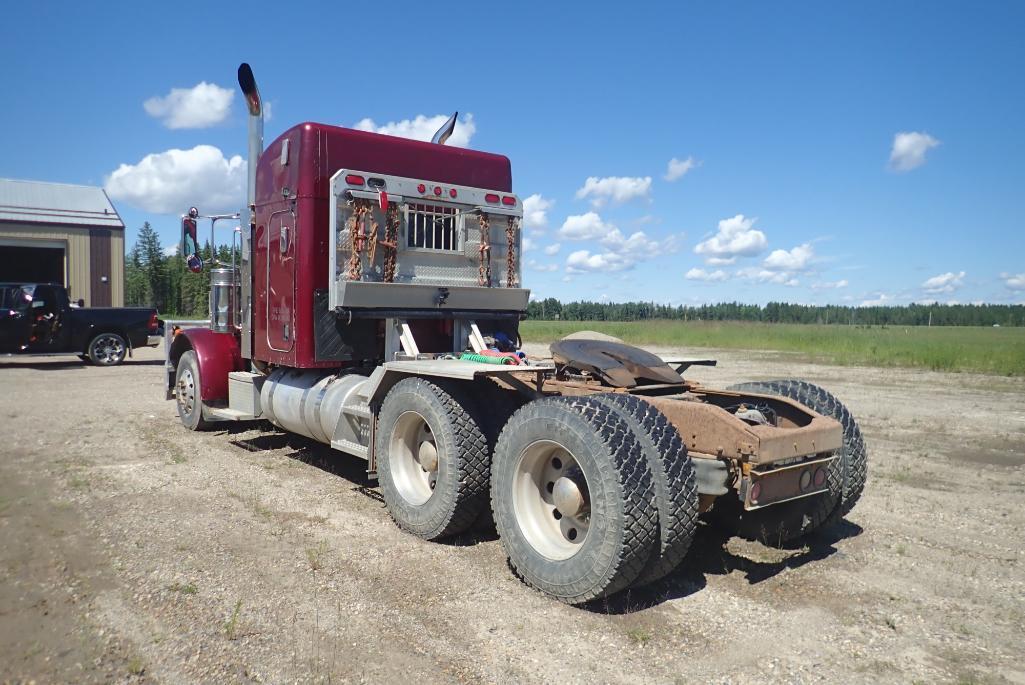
(188, 392)
(107, 349)
(432, 458)
(578, 456)
(675, 486)
(846, 476)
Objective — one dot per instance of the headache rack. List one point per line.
(408, 244)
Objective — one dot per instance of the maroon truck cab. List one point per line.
(290, 241)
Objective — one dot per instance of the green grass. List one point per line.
(998, 351)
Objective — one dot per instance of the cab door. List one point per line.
(281, 280)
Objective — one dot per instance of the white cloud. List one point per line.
(880, 300)
(582, 261)
(1014, 281)
(618, 189)
(534, 265)
(638, 245)
(697, 274)
(535, 210)
(736, 237)
(423, 128)
(796, 259)
(767, 276)
(170, 250)
(585, 227)
(677, 168)
(552, 249)
(527, 244)
(203, 105)
(909, 150)
(172, 181)
(944, 283)
(826, 285)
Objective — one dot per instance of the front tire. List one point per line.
(432, 458)
(107, 349)
(572, 498)
(187, 393)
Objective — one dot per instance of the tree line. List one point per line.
(162, 281)
(551, 309)
(155, 279)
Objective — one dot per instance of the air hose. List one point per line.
(471, 357)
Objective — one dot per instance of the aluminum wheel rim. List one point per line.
(553, 534)
(186, 392)
(413, 458)
(108, 349)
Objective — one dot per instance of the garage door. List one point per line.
(32, 264)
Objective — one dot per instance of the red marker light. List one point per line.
(452, 192)
(421, 188)
(437, 190)
(354, 180)
(508, 200)
(491, 197)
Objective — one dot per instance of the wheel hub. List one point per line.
(413, 457)
(570, 494)
(428, 455)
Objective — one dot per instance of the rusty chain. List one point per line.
(511, 280)
(390, 242)
(484, 272)
(357, 238)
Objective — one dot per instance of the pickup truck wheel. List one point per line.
(107, 349)
(432, 458)
(572, 498)
(187, 393)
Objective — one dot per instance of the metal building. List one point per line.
(60, 233)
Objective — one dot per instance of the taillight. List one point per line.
(452, 192)
(154, 323)
(756, 492)
(491, 197)
(508, 200)
(437, 190)
(354, 180)
(421, 189)
(820, 477)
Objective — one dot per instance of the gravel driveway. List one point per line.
(133, 550)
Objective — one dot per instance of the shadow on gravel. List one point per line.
(308, 452)
(709, 555)
(60, 365)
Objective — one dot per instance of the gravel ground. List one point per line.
(132, 550)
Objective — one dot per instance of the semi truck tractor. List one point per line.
(374, 306)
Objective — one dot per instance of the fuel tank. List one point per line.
(313, 404)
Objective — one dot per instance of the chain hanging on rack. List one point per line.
(510, 261)
(390, 242)
(357, 238)
(373, 239)
(484, 272)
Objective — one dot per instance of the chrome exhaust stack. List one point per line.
(247, 82)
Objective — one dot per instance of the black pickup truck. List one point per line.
(40, 319)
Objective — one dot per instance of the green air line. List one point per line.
(484, 359)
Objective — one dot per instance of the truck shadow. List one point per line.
(710, 555)
(306, 451)
(51, 364)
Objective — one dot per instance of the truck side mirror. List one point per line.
(190, 242)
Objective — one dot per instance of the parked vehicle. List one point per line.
(375, 307)
(40, 319)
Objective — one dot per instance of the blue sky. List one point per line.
(870, 152)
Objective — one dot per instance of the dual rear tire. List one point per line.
(589, 495)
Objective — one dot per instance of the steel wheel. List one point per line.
(550, 498)
(107, 349)
(187, 393)
(414, 458)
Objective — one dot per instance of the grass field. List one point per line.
(999, 351)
